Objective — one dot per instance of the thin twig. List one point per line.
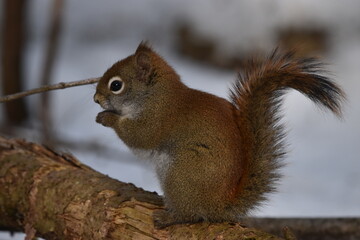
(47, 88)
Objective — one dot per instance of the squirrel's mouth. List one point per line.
(111, 111)
(108, 108)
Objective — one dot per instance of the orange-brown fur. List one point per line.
(216, 159)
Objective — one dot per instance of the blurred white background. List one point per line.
(321, 176)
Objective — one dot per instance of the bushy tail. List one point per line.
(257, 96)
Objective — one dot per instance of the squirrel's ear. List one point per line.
(143, 60)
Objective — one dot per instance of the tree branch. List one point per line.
(54, 196)
(311, 228)
(47, 88)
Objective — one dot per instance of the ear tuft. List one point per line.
(143, 47)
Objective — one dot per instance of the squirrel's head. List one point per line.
(129, 83)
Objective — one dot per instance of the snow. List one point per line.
(321, 177)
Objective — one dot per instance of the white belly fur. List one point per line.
(160, 160)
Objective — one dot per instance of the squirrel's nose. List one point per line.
(96, 98)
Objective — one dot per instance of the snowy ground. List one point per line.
(322, 173)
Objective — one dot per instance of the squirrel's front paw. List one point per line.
(106, 118)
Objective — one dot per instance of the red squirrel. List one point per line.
(215, 159)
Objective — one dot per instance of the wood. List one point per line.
(42, 89)
(311, 228)
(54, 196)
(12, 59)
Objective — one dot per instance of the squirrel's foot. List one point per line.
(163, 219)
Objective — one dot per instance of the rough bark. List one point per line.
(54, 196)
(311, 228)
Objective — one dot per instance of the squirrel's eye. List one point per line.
(116, 85)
